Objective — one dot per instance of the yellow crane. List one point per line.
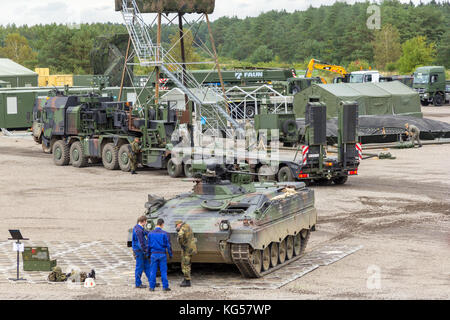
(316, 64)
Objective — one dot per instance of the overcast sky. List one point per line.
(62, 11)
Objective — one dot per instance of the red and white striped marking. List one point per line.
(305, 151)
(360, 151)
(164, 88)
(163, 80)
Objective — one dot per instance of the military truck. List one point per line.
(83, 129)
(258, 227)
(430, 83)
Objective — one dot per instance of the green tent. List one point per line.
(405, 101)
(17, 75)
(388, 98)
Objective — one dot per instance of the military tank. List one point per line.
(259, 227)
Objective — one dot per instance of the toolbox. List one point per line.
(37, 259)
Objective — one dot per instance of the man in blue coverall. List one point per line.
(158, 247)
(139, 245)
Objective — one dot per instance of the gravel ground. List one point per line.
(397, 209)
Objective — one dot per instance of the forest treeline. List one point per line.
(411, 35)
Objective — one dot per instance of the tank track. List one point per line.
(241, 256)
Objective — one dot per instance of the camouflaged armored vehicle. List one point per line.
(259, 227)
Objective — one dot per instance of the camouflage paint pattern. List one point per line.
(254, 216)
(172, 6)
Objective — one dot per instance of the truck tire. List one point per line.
(61, 154)
(124, 159)
(285, 175)
(438, 100)
(174, 170)
(290, 127)
(340, 180)
(110, 157)
(77, 157)
(296, 90)
(188, 170)
(250, 112)
(265, 173)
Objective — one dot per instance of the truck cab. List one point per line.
(429, 82)
(364, 76)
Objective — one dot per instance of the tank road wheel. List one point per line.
(188, 170)
(110, 157)
(256, 260)
(289, 247)
(274, 254)
(266, 259)
(61, 155)
(282, 252)
(265, 173)
(297, 244)
(124, 159)
(77, 156)
(285, 175)
(174, 170)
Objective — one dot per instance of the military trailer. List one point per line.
(430, 83)
(16, 108)
(258, 227)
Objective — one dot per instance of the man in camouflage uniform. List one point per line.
(414, 133)
(189, 248)
(135, 149)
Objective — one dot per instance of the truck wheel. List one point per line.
(174, 170)
(438, 100)
(110, 157)
(285, 175)
(124, 159)
(340, 180)
(61, 155)
(188, 170)
(77, 156)
(290, 127)
(250, 112)
(265, 173)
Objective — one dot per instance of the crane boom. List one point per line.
(316, 64)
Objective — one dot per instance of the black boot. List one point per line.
(185, 283)
(133, 172)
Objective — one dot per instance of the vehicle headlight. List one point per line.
(225, 225)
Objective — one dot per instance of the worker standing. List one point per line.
(135, 149)
(414, 133)
(139, 245)
(189, 248)
(158, 248)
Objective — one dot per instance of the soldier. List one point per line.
(414, 134)
(158, 247)
(189, 248)
(139, 245)
(135, 149)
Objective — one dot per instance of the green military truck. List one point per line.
(430, 83)
(83, 129)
